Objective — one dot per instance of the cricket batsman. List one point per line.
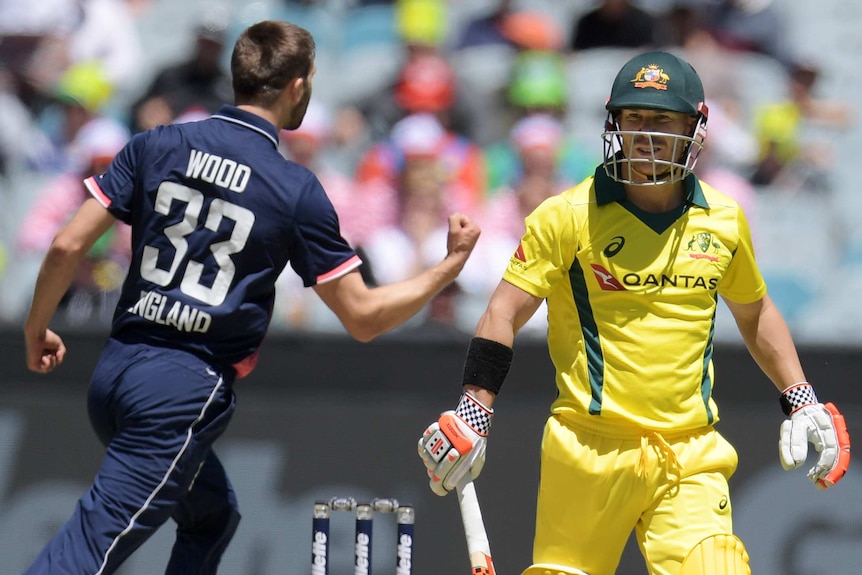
(631, 262)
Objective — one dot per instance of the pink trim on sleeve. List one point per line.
(344, 268)
(92, 185)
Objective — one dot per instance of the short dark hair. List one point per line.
(267, 56)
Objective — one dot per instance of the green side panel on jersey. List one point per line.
(706, 381)
(590, 331)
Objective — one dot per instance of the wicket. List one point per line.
(405, 518)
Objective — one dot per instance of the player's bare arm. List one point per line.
(369, 312)
(809, 421)
(45, 349)
(508, 310)
(769, 341)
(453, 447)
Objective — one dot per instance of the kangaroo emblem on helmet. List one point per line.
(651, 77)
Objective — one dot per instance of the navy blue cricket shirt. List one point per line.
(216, 214)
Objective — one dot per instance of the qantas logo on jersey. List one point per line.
(216, 170)
(518, 259)
(156, 307)
(519, 253)
(608, 282)
(664, 280)
(606, 279)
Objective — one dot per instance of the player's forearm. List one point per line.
(55, 276)
(387, 307)
(771, 345)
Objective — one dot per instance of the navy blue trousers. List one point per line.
(158, 412)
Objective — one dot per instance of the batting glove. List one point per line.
(455, 444)
(821, 425)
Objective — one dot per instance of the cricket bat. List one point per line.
(474, 528)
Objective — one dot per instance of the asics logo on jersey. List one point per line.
(614, 247)
(606, 279)
(220, 171)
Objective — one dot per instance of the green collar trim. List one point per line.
(608, 190)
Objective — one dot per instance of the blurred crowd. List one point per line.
(421, 108)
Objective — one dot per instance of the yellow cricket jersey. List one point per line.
(632, 299)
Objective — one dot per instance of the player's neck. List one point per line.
(264, 113)
(656, 199)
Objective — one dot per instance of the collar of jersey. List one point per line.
(249, 120)
(608, 190)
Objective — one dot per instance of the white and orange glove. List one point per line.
(822, 426)
(455, 444)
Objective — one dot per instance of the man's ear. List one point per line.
(297, 89)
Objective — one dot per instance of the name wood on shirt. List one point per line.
(222, 172)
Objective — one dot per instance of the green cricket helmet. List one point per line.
(655, 81)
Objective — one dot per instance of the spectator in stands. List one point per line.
(28, 32)
(520, 29)
(614, 24)
(426, 83)
(687, 29)
(426, 89)
(488, 53)
(458, 163)
(197, 83)
(23, 144)
(537, 84)
(537, 144)
(727, 161)
(790, 157)
(422, 25)
(39, 41)
(421, 192)
(537, 88)
(107, 33)
(750, 26)
(486, 28)
(410, 239)
(93, 294)
(79, 100)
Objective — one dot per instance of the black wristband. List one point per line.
(487, 364)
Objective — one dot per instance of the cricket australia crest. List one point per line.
(651, 77)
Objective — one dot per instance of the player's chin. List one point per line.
(293, 123)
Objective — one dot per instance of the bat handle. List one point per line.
(478, 546)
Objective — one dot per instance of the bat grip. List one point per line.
(478, 546)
